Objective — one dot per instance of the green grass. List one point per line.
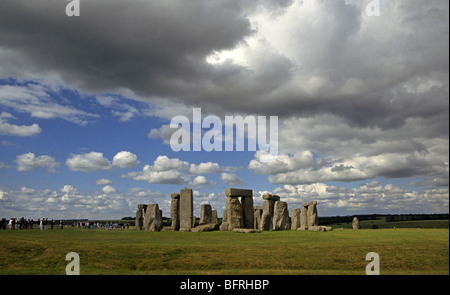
(401, 251)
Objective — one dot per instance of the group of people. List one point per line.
(27, 224)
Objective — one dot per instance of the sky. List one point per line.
(362, 101)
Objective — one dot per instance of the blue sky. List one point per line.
(85, 104)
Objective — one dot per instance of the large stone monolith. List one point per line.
(246, 203)
(175, 211)
(355, 223)
(205, 214)
(295, 218)
(313, 219)
(281, 216)
(234, 213)
(258, 215)
(267, 216)
(139, 222)
(186, 209)
(152, 218)
(304, 218)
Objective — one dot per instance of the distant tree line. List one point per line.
(388, 217)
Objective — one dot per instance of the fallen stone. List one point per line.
(246, 230)
(224, 226)
(205, 227)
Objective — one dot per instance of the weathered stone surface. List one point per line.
(248, 212)
(205, 214)
(312, 215)
(139, 222)
(175, 211)
(152, 218)
(234, 213)
(205, 227)
(309, 203)
(295, 218)
(224, 216)
(271, 197)
(281, 216)
(237, 192)
(257, 217)
(304, 218)
(214, 218)
(224, 226)
(267, 216)
(246, 230)
(320, 228)
(355, 223)
(186, 209)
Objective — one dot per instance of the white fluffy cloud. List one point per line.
(109, 189)
(164, 163)
(205, 168)
(41, 102)
(366, 198)
(93, 161)
(230, 179)
(27, 162)
(200, 181)
(103, 181)
(125, 159)
(11, 129)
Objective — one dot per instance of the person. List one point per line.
(31, 223)
(61, 224)
(51, 224)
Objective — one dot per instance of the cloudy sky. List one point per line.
(86, 102)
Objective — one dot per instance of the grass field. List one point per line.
(401, 251)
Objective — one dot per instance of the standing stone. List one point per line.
(234, 213)
(152, 218)
(139, 222)
(248, 212)
(295, 218)
(175, 211)
(267, 216)
(281, 216)
(258, 215)
(186, 209)
(205, 214)
(312, 214)
(355, 223)
(224, 225)
(304, 218)
(224, 216)
(214, 218)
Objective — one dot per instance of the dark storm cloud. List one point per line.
(304, 58)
